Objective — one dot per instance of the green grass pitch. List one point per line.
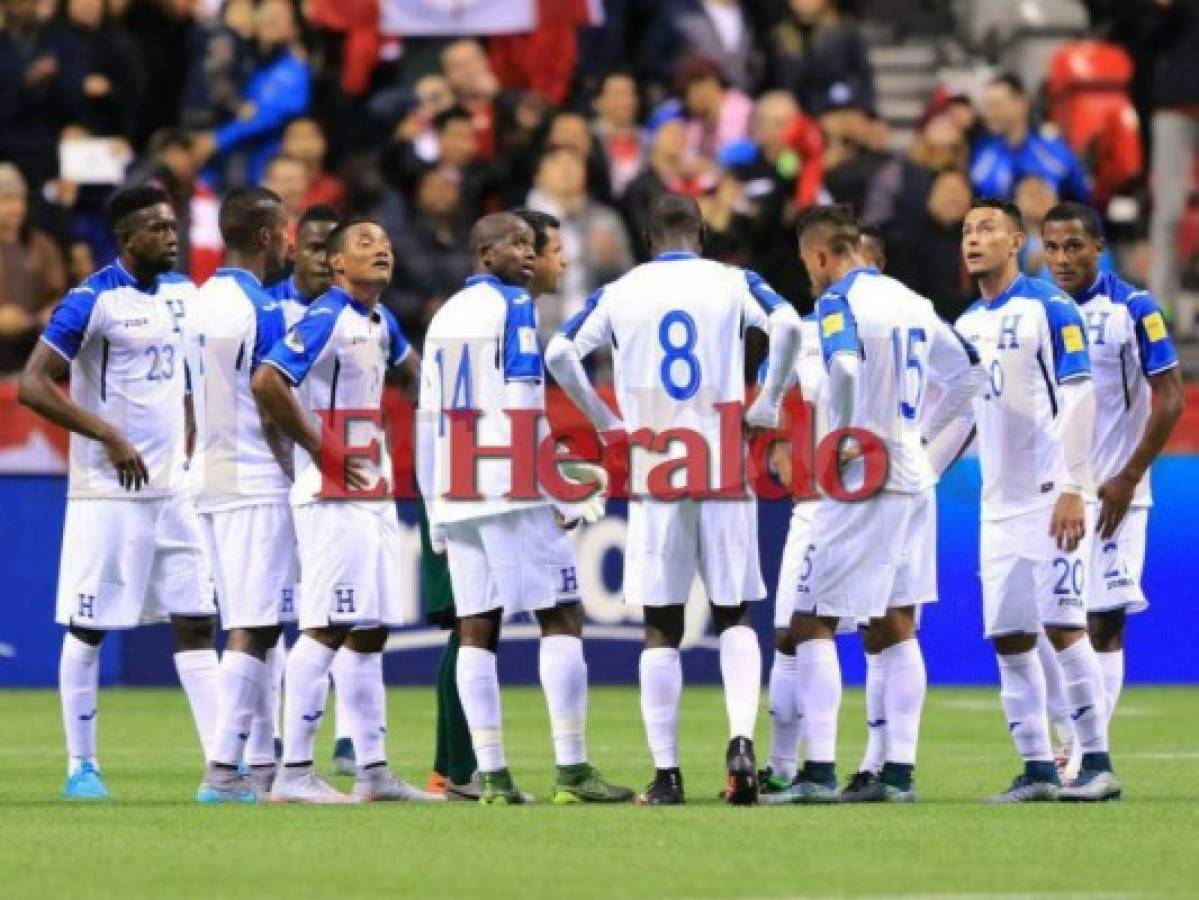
(150, 841)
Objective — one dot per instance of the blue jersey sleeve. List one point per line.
(766, 296)
(397, 344)
(522, 352)
(571, 326)
(1153, 340)
(68, 323)
(296, 353)
(1068, 336)
(269, 329)
(838, 327)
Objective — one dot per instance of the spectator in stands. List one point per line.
(304, 139)
(106, 58)
(615, 126)
(476, 90)
(162, 33)
(290, 179)
(171, 165)
(816, 47)
(1034, 196)
(413, 113)
(925, 254)
(717, 114)
(667, 170)
(728, 234)
(543, 60)
(276, 93)
(1011, 149)
(594, 241)
(432, 251)
(32, 273)
(851, 162)
(571, 129)
(1173, 29)
(41, 90)
(220, 58)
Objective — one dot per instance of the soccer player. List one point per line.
(337, 356)
(1138, 400)
(870, 561)
(1035, 424)
(242, 473)
(505, 555)
(132, 550)
(676, 326)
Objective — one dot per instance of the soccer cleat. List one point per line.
(1092, 786)
(864, 787)
(380, 784)
(741, 785)
(1062, 753)
(584, 784)
(300, 784)
(769, 783)
(436, 783)
(260, 779)
(85, 783)
(344, 762)
(1025, 789)
(665, 790)
(802, 790)
(468, 792)
(498, 789)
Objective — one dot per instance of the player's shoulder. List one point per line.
(1046, 294)
(1138, 301)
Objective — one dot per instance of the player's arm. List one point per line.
(403, 363)
(585, 332)
(1075, 426)
(1159, 363)
(270, 328)
(50, 363)
(842, 351)
(768, 311)
(955, 368)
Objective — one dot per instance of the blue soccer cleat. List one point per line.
(85, 783)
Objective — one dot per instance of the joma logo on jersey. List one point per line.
(135, 323)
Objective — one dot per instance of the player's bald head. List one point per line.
(502, 244)
(493, 228)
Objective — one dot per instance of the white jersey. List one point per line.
(125, 343)
(337, 356)
(481, 355)
(676, 327)
(1128, 344)
(292, 302)
(232, 326)
(903, 347)
(1032, 339)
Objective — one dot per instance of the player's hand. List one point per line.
(592, 509)
(132, 473)
(358, 474)
(780, 459)
(1115, 496)
(1068, 523)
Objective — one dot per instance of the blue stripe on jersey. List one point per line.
(397, 343)
(68, 323)
(521, 349)
(675, 256)
(971, 350)
(285, 289)
(766, 296)
(1067, 330)
(838, 327)
(1153, 340)
(296, 353)
(572, 325)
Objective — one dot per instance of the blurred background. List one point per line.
(427, 113)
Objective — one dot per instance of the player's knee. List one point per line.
(565, 620)
(194, 632)
(481, 631)
(784, 642)
(812, 628)
(725, 617)
(663, 626)
(875, 637)
(1064, 638)
(89, 636)
(1106, 631)
(367, 640)
(1010, 644)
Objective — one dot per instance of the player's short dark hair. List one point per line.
(837, 224)
(128, 201)
(454, 113)
(541, 223)
(1010, 80)
(1007, 207)
(321, 212)
(674, 214)
(336, 240)
(1069, 211)
(245, 210)
(874, 233)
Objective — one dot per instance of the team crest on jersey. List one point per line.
(1155, 326)
(1072, 339)
(832, 324)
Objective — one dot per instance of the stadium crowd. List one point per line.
(758, 108)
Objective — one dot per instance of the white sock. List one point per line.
(278, 659)
(563, 673)
(1022, 693)
(341, 712)
(479, 690)
(818, 677)
(1084, 690)
(1112, 666)
(198, 674)
(260, 748)
(79, 687)
(741, 672)
(876, 717)
(904, 685)
(240, 681)
(362, 702)
(784, 716)
(304, 703)
(1055, 690)
(661, 687)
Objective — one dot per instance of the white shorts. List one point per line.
(799, 530)
(1027, 581)
(131, 562)
(916, 574)
(518, 561)
(252, 551)
(669, 542)
(849, 565)
(351, 564)
(1115, 575)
